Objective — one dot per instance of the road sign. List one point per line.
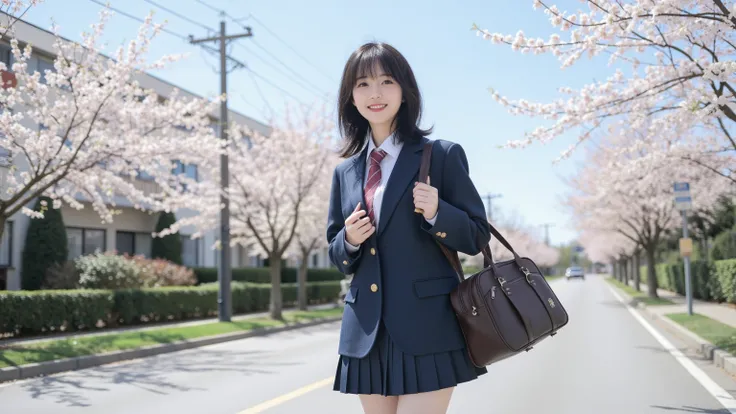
(686, 246)
(579, 249)
(683, 201)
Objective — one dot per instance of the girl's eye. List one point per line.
(388, 81)
(361, 84)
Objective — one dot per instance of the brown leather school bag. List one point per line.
(507, 307)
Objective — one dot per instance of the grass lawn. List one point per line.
(717, 333)
(638, 296)
(67, 348)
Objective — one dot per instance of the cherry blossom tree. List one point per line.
(84, 132)
(310, 233)
(614, 194)
(672, 67)
(272, 180)
(12, 11)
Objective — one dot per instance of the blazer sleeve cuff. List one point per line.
(345, 261)
(348, 246)
(448, 227)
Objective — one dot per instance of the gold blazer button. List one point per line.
(373, 251)
(345, 262)
(374, 288)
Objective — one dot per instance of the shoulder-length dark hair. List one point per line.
(361, 63)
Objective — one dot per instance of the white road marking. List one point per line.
(723, 397)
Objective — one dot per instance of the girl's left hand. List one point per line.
(426, 199)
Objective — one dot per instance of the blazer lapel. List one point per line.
(355, 176)
(404, 173)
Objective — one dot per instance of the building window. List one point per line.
(84, 241)
(6, 56)
(43, 66)
(190, 170)
(133, 244)
(6, 246)
(189, 251)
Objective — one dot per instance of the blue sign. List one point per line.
(579, 249)
(682, 187)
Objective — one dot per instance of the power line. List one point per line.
(320, 70)
(138, 19)
(187, 39)
(318, 92)
(316, 89)
(196, 23)
(251, 16)
(275, 86)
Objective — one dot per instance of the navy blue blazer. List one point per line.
(400, 275)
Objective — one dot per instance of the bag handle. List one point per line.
(452, 256)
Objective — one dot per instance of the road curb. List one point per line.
(722, 359)
(88, 361)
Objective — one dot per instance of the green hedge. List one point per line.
(262, 275)
(36, 312)
(713, 281)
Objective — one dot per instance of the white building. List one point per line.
(131, 231)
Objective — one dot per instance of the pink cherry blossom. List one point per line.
(87, 131)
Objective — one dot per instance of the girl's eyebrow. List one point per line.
(365, 77)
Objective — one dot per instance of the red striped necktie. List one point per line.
(374, 180)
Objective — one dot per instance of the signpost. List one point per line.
(683, 203)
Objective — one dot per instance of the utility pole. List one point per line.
(224, 270)
(546, 231)
(489, 211)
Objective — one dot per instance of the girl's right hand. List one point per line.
(357, 227)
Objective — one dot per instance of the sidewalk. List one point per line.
(724, 313)
(146, 327)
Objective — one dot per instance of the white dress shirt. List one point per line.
(393, 149)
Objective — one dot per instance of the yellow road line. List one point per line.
(286, 397)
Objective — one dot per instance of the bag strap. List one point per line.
(452, 256)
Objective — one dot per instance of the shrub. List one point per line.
(108, 271)
(45, 244)
(724, 246)
(169, 246)
(159, 272)
(62, 276)
(23, 313)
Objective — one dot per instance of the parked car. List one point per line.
(575, 271)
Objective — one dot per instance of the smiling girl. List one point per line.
(401, 348)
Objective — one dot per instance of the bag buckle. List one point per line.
(527, 273)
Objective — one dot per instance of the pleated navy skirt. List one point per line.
(386, 370)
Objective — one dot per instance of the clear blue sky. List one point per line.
(454, 69)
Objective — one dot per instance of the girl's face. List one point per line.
(377, 98)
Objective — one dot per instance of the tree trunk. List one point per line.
(637, 273)
(625, 266)
(614, 265)
(277, 302)
(302, 278)
(651, 272)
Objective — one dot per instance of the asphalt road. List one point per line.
(604, 361)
